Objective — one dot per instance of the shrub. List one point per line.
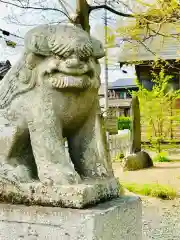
(161, 157)
(124, 123)
(154, 190)
(119, 157)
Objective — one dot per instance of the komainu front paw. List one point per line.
(61, 176)
(97, 172)
(71, 178)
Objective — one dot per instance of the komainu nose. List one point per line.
(73, 63)
(52, 65)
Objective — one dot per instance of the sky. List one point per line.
(96, 22)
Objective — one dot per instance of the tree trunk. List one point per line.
(82, 12)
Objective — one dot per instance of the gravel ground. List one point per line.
(161, 219)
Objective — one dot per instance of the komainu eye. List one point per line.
(84, 58)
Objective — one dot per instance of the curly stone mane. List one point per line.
(18, 80)
(62, 40)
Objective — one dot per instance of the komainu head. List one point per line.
(69, 55)
(63, 56)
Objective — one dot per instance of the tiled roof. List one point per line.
(4, 68)
(119, 83)
(123, 83)
(166, 48)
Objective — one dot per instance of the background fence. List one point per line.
(170, 129)
(119, 144)
(119, 141)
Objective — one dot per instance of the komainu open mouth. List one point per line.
(71, 77)
(60, 80)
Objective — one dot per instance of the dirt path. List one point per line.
(162, 173)
(161, 218)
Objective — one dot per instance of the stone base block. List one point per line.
(118, 219)
(74, 196)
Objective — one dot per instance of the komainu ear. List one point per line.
(98, 49)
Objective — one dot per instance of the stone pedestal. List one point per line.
(119, 219)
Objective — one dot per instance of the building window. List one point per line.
(121, 95)
(128, 95)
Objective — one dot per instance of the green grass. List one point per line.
(161, 157)
(152, 189)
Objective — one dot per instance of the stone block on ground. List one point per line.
(118, 219)
(137, 161)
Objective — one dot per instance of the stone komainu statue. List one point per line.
(52, 93)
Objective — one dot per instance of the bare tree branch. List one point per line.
(91, 8)
(34, 8)
(121, 3)
(146, 47)
(61, 2)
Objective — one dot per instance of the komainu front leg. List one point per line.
(53, 166)
(88, 149)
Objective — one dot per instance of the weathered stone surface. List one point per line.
(114, 220)
(52, 94)
(137, 161)
(74, 196)
(135, 126)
